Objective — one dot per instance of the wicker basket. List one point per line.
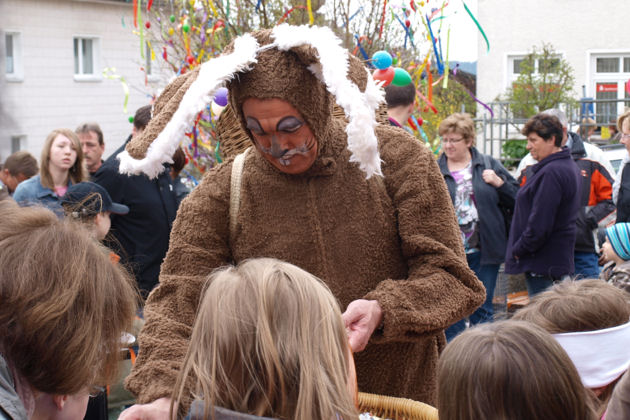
(234, 140)
(396, 408)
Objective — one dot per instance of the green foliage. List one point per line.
(514, 150)
(546, 80)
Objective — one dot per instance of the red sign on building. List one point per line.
(607, 87)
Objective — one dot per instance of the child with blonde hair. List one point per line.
(268, 340)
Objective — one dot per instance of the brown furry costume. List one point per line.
(392, 239)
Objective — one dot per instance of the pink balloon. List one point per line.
(386, 75)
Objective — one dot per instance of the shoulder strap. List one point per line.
(486, 161)
(235, 189)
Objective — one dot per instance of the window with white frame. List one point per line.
(609, 74)
(517, 63)
(13, 56)
(86, 50)
(17, 142)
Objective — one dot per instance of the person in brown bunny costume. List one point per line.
(362, 206)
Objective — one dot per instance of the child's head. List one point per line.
(591, 306)
(509, 370)
(269, 340)
(64, 306)
(91, 204)
(617, 245)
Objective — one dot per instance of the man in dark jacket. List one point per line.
(140, 237)
(542, 237)
(596, 204)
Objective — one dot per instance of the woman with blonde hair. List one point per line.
(482, 192)
(268, 341)
(61, 165)
(509, 370)
(64, 309)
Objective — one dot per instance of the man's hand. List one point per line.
(157, 410)
(362, 317)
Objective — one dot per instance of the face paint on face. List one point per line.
(289, 124)
(281, 134)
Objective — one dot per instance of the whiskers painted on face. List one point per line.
(284, 155)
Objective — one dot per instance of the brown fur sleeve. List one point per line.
(197, 246)
(440, 288)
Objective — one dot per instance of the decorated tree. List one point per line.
(178, 35)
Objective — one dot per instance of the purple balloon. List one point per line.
(221, 96)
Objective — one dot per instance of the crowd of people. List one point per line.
(330, 257)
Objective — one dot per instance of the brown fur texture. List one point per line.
(163, 110)
(394, 239)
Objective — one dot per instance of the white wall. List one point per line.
(48, 96)
(572, 26)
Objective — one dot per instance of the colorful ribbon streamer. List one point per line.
(380, 30)
(353, 15)
(310, 12)
(477, 100)
(428, 102)
(135, 13)
(288, 12)
(446, 64)
(435, 49)
(140, 26)
(478, 26)
(360, 48)
(110, 73)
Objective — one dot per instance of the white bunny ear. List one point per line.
(212, 75)
(360, 108)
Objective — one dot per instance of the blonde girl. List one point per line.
(269, 341)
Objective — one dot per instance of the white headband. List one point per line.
(600, 356)
(359, 107)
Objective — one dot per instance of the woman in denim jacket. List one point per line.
(61, 166)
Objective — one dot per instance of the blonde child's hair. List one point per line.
(509, 370)
(268, 340)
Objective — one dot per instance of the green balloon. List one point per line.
(172, 18)
(401, 77)
(186, 27)
(131, 119)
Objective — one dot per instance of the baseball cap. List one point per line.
(91, 199)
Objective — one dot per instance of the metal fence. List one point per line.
(493, 131)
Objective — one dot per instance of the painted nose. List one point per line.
(276, 149)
